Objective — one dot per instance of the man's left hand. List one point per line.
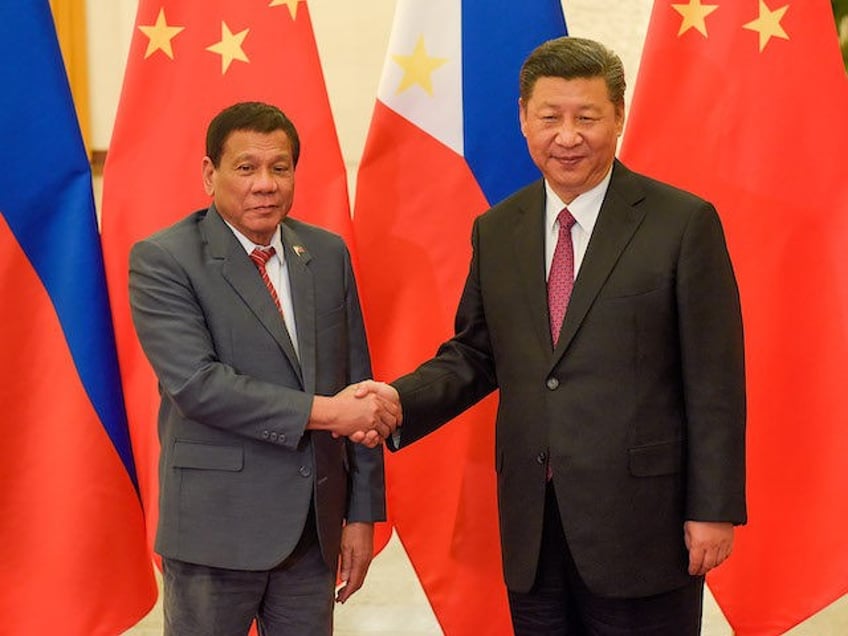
(357, 550)
(709, 544)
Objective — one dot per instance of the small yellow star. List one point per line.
(694, 16)
(418, 67)
(229, 48)
(291, 4)
(160, 36)
(768, 24)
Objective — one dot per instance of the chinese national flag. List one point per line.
(188, 60)
(443, 146)
(746, 104)
(72, 545)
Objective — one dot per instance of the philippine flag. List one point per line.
(444, 146)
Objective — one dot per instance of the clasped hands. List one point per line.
(367, 413)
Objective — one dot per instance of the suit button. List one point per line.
(552, 384)
(265, 434)
(542, 458)
(273, 437)
(282, 438)
(305, 471)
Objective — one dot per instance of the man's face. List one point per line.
(253, 186)
(572, 130)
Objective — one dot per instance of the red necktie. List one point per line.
(561, 278)
(259, 258)
(560, 284)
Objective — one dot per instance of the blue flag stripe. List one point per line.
(497, 35)
(46, 198)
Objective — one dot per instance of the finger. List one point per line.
(696, 561)
(355, 581)
(361, 390)
(382, 429)
(383, 422)
(345, 564)
(372, 439)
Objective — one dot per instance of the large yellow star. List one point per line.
(694, 16)
(160, 36)
(229, 48)
(768, 24)
(418, 67)
(291, 4)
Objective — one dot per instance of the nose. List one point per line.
(264, 181)
(568, 134)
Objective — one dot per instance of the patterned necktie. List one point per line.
(561, 278)
(259, 258)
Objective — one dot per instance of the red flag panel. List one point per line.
(71, 520)
(745, 104)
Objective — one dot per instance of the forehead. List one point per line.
(240, 142)
(592, 90)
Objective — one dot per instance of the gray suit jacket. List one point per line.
(237, 470)
(640, 408)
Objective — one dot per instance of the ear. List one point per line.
(619, 119)
(522, 116)
(207, 170)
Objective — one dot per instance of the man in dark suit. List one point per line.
(620, 428)
(252, 324)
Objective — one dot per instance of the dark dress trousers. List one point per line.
(237, 471)
(640, 409)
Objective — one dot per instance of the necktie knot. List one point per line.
(566, 221)
(260, 256)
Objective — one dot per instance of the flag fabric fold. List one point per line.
(188, 60)
(443, 146)
(745, 104)
(71, 522)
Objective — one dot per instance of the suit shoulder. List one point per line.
(179, 231)
(634, 184)
(314, 235)
(529, 197)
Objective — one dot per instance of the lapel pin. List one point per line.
(298, 249)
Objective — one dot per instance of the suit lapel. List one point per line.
(303, 298)
(529, 247)
(240, 273)
(617, 223)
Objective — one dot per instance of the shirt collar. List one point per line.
(584, 208)
(249, 246)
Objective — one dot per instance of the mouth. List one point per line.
(568, 161)
(265, 209)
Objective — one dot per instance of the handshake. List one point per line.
(367, 413)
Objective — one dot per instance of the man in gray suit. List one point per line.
(620, 431)
(252, 324)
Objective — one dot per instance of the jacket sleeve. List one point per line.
(713, 372)
(367, 500)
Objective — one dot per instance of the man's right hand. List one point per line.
(387, 392)
(367, 412)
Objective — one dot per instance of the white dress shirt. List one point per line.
(585, 209)
(279, 274)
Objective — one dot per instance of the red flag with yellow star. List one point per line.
(188, 60)
(746, 104)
